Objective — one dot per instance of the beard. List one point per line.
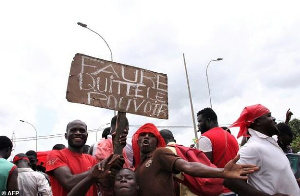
(76, 145)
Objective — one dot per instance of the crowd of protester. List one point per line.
(150, 164)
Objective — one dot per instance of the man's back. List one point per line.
(224, 146)
(32, 182)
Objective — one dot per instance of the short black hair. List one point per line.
(106, 132)
(58, 147)
(114, 121)
(31, 152)
(167, 135)
(208, 113)
(5, 142)
(285, 129)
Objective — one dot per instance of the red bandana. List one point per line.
(247, 117)
(146, 128)
(19, 157)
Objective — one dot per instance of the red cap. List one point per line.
(146, 128)
(247, 117)
(20, 156)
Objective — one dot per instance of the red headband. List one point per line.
(247, 117)
(18, 158)
(146, 128)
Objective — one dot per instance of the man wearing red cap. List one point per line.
(275, 176)
(155, 166)
(30, 182)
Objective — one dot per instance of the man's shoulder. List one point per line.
(39, 174)
(5, 164)
(212, 133)
(161, 151)
(59, 152)
(105, 142)
(90, 157)
(250, 147)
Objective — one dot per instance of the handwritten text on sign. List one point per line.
(117, 87)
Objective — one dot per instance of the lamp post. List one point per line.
(35, 132)
(218, 59)
(111, 56)
(85, 26)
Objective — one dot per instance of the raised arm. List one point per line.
(231, 170)
(288, 116)
(99, 173)
(82, 187)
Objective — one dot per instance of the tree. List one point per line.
(295, 126)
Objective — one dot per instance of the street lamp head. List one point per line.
(82, 24)
(22, 120)
(219, 59)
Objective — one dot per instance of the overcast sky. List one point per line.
(259, 42)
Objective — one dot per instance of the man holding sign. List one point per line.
(69, 166)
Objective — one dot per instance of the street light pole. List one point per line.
(85, 26)
(111, 56)
(218, 59)
(35, 133)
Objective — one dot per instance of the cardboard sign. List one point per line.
(119, 87)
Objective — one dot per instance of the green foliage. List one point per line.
(296, 144)
(295, 126)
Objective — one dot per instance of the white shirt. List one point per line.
(275, 174)
(32, 182)
(205, 144)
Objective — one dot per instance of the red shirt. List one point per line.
(218, 139)
(77, 162)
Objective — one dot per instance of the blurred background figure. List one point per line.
(30, 182)
(86, 149)
(8, 171)
(58, 147)
(285, 137)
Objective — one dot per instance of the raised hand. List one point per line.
(238, 171)
(104, 168)
(288, 116)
